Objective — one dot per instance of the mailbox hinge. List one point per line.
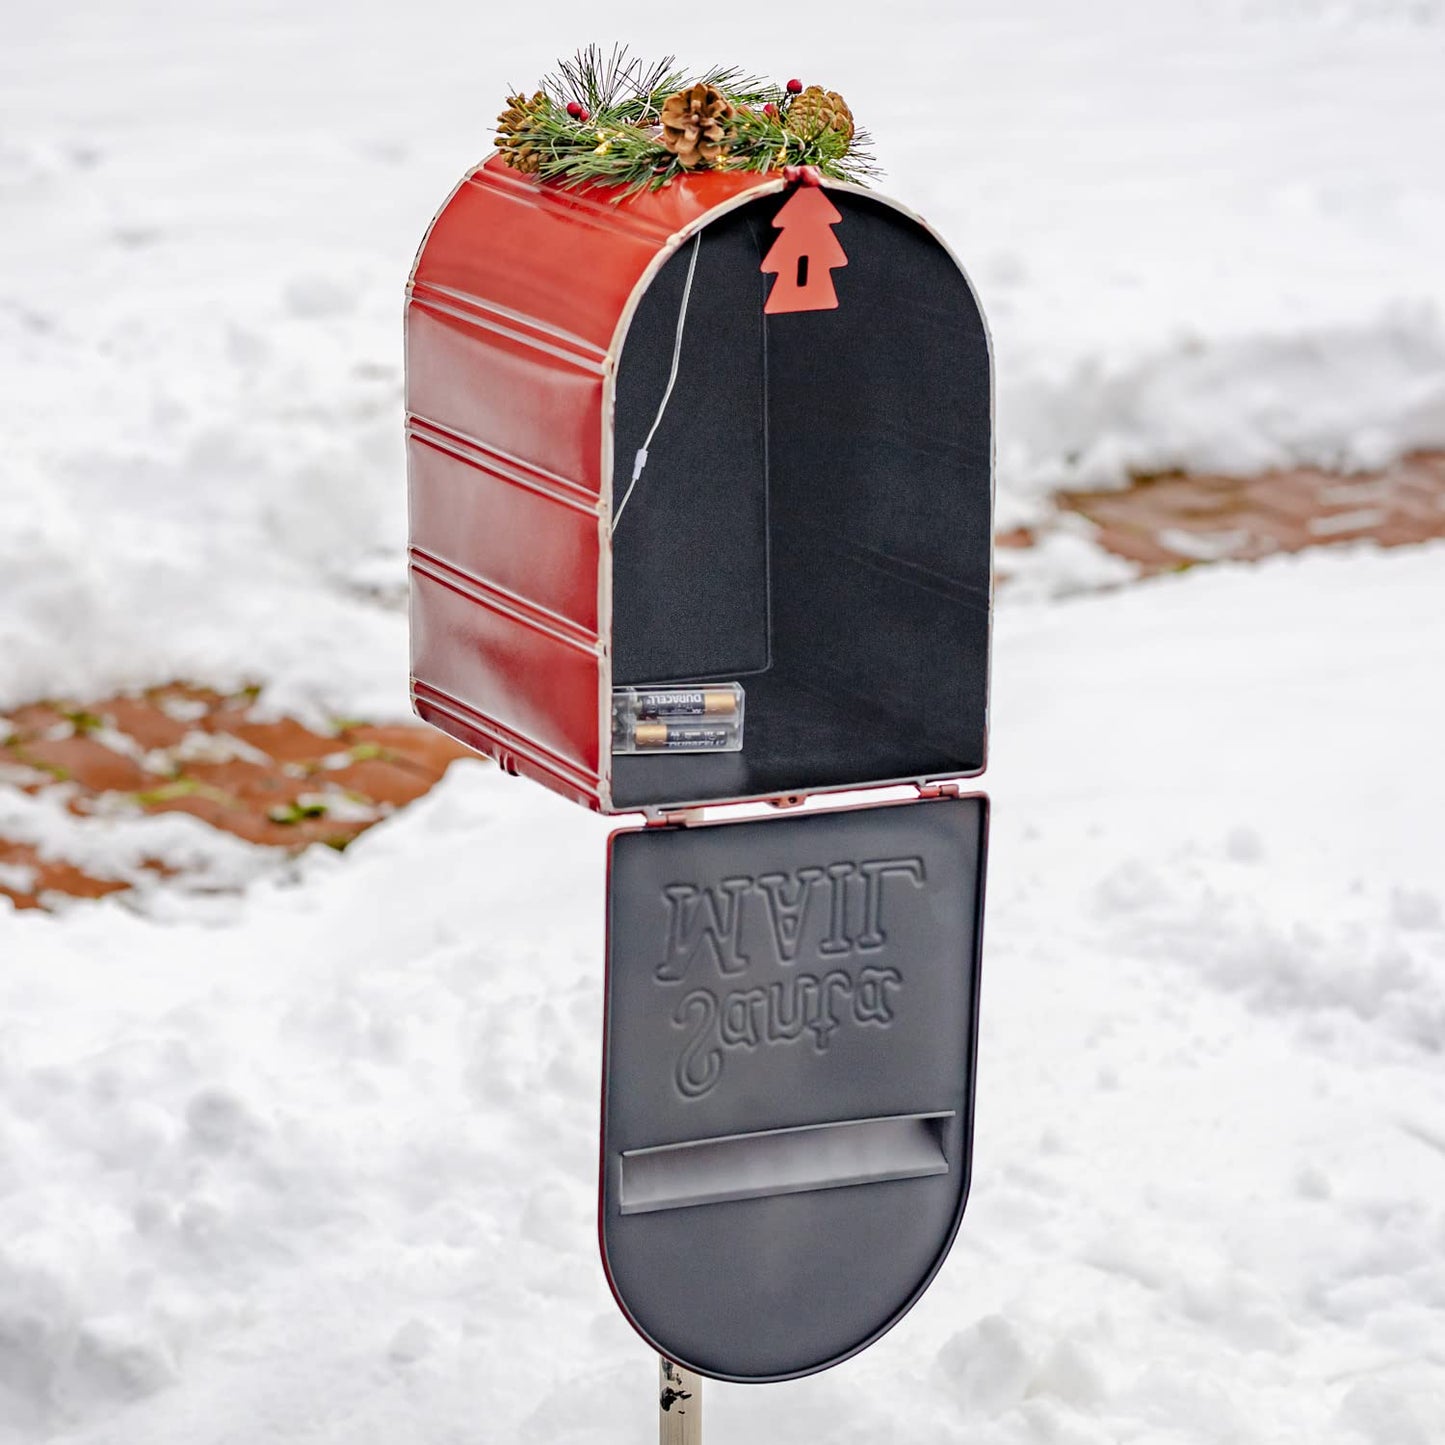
(937, 790)
(677, 818)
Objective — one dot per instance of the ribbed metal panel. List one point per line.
(516, 307)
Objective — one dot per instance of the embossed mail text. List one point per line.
(825, 927)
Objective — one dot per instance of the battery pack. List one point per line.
(696, 719)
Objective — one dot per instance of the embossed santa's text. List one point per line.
(836, 909)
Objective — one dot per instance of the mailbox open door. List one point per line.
(792, 1010)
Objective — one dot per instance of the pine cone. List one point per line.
(695, 125)
(514, 132)
(817, 110)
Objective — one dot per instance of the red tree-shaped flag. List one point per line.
(805, 254)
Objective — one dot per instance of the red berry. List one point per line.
(582, 114)
(770, 109)
(574, 110)
(795, 87)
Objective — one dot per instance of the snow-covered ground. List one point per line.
(317, 1163)
(326, 1171)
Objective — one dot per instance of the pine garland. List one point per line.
(596, 121)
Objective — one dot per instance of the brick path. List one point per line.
(1170, 522)
(281, 785)
(189, 750)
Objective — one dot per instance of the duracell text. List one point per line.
(651, 737)
(707, 702)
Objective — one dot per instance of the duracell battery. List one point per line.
(705, 702)
(656, 737)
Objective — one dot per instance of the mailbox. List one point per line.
(700, 503)
(639, 459)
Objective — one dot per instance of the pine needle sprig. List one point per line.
(655, 83)
(598, 124)
(622, 155)
(741, 88)
(594, 81)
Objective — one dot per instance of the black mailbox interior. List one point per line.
(814, 519)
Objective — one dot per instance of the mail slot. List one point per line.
(630, 469)
(783, 1161)
(788, 1081)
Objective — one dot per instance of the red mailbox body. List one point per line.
(518, 310)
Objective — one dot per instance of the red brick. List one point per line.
(1340, 526)
(1186, 498)
(225, 719)
(1395, 532)
(229, 815)
(380, 780)
(15, 772)
(244, 781)
(1128, 510)
(32, 720)
(51, 876)
(1136, 547)
(1427, 465)
(83, 760)
(287, 741)
(142, 720)
(1295, 495)
(414, 743)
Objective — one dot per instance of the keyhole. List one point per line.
(802, 272)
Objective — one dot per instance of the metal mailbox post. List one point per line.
(700, 519)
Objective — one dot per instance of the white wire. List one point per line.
(640, 461)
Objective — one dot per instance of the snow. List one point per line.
(324, 1167)
(316, 1160)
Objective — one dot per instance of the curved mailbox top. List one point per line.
(562, 264)
(788, 1080)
